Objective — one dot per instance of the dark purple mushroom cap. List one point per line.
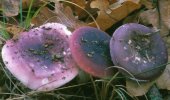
(41, 58)
(90, 49)
(139, 50)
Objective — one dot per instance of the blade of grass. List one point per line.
(78, 85)
(112, 95)
(95, 89)
(136, 80)
(11, 80)
(119, 94)
(3, 33)
(77, 96)
(123, 95)
(38, 10)
(126, 92)
(27, 21)
(107, 86)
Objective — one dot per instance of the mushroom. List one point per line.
(139, 50)
(90, 49)
(41, 58)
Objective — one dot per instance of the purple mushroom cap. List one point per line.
(90, 49)
(41, 58)
(139, 50)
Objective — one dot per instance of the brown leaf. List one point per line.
(14, 30)
(147, 4)
(167, 41)
(45, 15)
(36, 3)
(110, 14)
(61, 14)
(126, 8)
(65, 14)
(81, 3)
(112, 1)
(164, 6)
(152, 17)
(136, 89)
(108, 11)
(10, 7)
(163, 82)
(102, 16)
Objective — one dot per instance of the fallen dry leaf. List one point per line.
(14, 30)
(148, 4)
(167, 41)
(152, 17)
(106, 12)
(163, 82)
(65, 15)
(10, 7)
(164, 6)
(80, 9)
(138, 90)
(45, 15)
(102, 16)
(36, 3)
(76, 9)
(110, 14)
(61, 14)
(112, 1)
